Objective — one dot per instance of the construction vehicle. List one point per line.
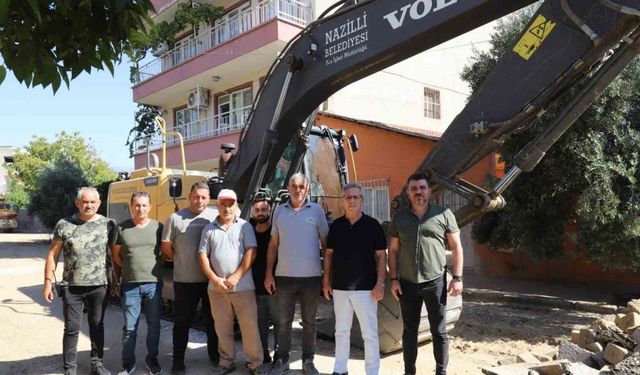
(8, 216)
(566, 43)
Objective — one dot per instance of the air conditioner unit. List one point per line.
(198, 98)
(160, 50)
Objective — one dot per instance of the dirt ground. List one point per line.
(487, 333)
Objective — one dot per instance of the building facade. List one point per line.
(6, 156)
(206, 82)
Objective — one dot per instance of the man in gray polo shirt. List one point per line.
(227, 249)
(180, 240)
(298, 233)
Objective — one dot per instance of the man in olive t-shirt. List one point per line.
(417, 264)
(137, 253)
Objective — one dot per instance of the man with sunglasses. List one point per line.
(355, 267)
(298, 233)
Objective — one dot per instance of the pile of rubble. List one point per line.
(611, 345)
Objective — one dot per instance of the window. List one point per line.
(376, 199)
(431, 103)
(186, 120)
(233, 107)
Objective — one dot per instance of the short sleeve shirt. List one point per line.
(299, 233)
(140, 251)
(183, 229)
(226, 248)
(422, 242)
(85, 249)
(353, 265)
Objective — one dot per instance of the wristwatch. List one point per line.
(456, 277)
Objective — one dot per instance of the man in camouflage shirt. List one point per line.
(84, 239)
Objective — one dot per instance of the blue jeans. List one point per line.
(137, 297)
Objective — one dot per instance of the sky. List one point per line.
(98, 105)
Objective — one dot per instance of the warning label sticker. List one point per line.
(533, 38)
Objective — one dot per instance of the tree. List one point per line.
(47, 42)
(17, 195)
(588, 178)
(40, 155)
(53, 204)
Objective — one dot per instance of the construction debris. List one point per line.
(611, 345)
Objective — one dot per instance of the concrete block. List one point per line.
(580, 369)
(598, 359)
(627, 321)
(527, 357)
(547, 356)
(551, 368)
(575, 336)
(595, 347)
(634, 305)
(615, 354)
(586, 337)
(547, 368)
(572, 352)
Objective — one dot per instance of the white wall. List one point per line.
(396, 94)
(4, 175)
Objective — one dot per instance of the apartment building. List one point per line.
(206, 82)
(6, 157)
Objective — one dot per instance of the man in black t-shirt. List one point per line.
(355, 265)
(261, 215)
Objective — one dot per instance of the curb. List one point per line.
(485, 295)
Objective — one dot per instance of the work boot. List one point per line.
(220, 370)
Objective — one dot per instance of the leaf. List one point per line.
(4, 10)
(3, 73)
(36, 9)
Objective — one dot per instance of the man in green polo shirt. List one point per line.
(417, 264)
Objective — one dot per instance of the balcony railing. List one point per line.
(226, 28)
(221, 124)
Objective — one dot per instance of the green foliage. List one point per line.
(47, 42)
(166, 31)
(589, 177)
(50, 205)
(17, 195)
(145, 125)
(41, 155)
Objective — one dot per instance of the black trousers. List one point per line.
(74, 298)
(434, 295)
(187, 297)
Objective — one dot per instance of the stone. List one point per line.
(630, 366)
(635, 336)
(586, 337)
(634, 305)
(598, 359)
(630, 320)
(615, 354)
(551, 368)
(545, 357)
(595, 347)
(604, 323)
(580, 369)
(596, 307)
(575, 335)
(572, 352)
(527, 357)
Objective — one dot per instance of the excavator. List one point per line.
(577, 45)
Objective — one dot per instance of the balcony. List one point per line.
(214, 126)
(227, 28)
